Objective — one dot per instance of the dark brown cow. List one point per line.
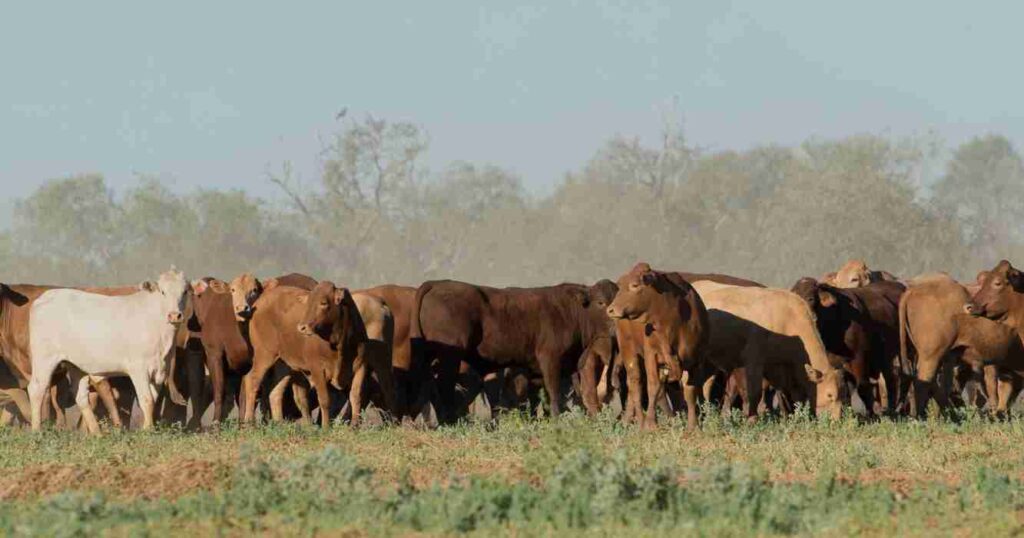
(675, 332)
(861, 325)
(545, 329)
(630, 334)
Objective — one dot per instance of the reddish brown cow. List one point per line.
(861, 325)
(276, 316)
(360, 328)
(545, 329)
(630, 334)
(675, 331)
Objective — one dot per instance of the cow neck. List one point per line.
(670, 308)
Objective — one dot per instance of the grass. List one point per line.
(572, 475)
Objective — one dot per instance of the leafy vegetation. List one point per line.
(525, 476)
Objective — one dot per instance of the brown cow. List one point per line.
(360, 328)
(926, 313)
(855, 274)
(276, 316)
(545, 329)
(630, 335)
(770, 334)
(861, 325)
(675, 332)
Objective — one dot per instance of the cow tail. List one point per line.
(905, 364)
(415, 328)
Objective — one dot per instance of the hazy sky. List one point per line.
(211, 93)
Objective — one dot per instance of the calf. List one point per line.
(101, 336)
(675, 331)
(855, 274)
(543, 329)
(360, 328)
(860, 325)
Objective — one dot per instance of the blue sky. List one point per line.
(210, 94)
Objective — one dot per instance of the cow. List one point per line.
(102, 336)
(401, 300)
(675, 332)
(926, 313)
(360, 327)
(861, 325)
(771, 334)
(545, 329)
(630, 335)
(273, 330)
(854, 274)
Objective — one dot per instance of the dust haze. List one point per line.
(376, 215)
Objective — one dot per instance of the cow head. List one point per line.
(830, 390)
(816, 294)
(854, 274)
(175, 292)
(326, 304)
(245, 289)
(637, 290)
(596, 300)
(998, 289)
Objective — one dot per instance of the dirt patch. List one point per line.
(157, 481)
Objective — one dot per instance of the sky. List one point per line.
(211, 94)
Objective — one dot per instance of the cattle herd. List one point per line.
(651, 342)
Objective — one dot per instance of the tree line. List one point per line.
(376, 215)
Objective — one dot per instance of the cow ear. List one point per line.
(583, 297)
(1015, 279)
(981, 275)
(268, 285)
(648, 278)
(814, 375)
(342, 295)
(147, 285)
(826, 298)
(199, 286)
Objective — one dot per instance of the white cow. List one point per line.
(99, 336)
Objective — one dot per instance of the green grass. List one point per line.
(522, 476)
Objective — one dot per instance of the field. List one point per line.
(524, 476)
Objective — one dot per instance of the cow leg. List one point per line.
(924, 384)
(20, 398)
(300, 395)
(588, 382)
(261, 362)
(80, 383)
(655, 387)
(195, 371)
(144, 396)
(1009, 387)
(634, 390)
(755, 387)
(323, 396)
(106, 395)
(991, 388)
(691, 380)
(865, 390)
(550, 372)
(38, 391)
(355, 392)
(276, 397)
(215, 365)
(380, 361)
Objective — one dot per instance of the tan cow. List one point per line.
(855, 274)
(770, 333)
(360, 327)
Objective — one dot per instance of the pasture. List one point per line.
(523, 476)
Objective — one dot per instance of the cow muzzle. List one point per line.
(243, 313)
(973, 309)
(614, 313)
(305, 329)
(175, 318)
